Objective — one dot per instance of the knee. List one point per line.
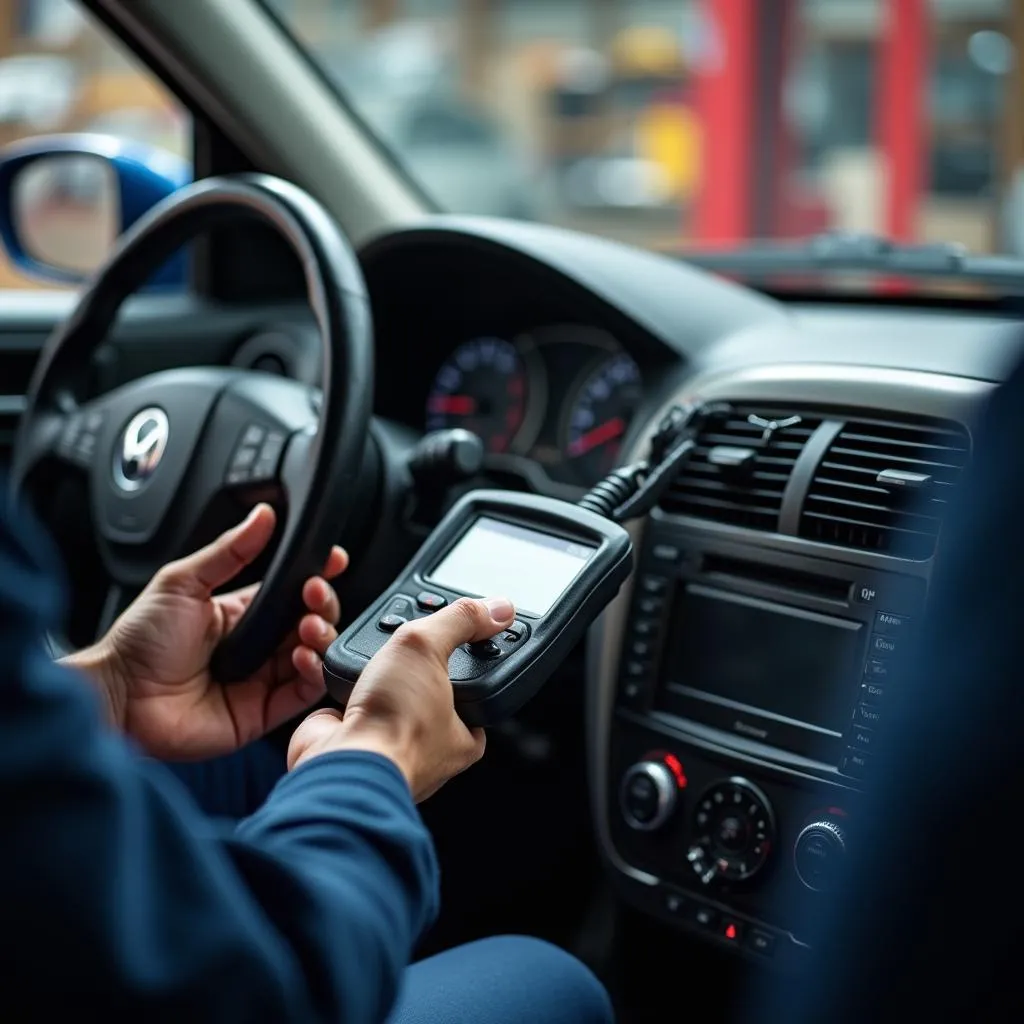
(568, 989)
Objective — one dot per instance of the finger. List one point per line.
(203, 571)
(337, 562)
(285, 702)
(317, 633)
(321, 599)
(309, 667)
(462, 622)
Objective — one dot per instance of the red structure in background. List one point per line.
(900, 112)
(724, 103)
(748, 154)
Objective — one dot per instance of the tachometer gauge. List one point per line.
(599, 416)
(483, 387)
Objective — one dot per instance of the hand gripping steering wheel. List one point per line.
(160, 450)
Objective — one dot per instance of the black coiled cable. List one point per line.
(611, 492)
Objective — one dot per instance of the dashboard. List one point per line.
(737, 688)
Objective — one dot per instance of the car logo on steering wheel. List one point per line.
(142, 447)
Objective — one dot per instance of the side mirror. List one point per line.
(65, 199)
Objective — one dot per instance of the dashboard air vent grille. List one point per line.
(739, 470)
(883, 486)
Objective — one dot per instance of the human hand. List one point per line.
(154, 661)
(403, 705)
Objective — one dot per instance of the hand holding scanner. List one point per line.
(558, 563)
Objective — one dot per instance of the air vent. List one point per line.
(10, 410)
(884, 486)
(739, 470)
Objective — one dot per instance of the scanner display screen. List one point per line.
(498, 559)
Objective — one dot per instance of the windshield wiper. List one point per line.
(862, 253)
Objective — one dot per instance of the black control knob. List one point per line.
(647, 796)
(819, 851)
(733, 832)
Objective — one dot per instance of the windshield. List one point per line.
(694, 123)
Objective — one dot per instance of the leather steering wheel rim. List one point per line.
(329, 462)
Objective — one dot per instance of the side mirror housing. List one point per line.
(65, 200)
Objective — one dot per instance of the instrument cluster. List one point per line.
(562, 397)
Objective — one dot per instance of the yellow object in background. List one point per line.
(668, 135)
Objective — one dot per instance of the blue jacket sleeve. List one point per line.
(119, 897)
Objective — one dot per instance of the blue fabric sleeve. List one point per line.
(121, 898)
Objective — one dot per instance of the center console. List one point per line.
(737, 694)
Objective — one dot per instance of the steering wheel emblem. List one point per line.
(143, 444)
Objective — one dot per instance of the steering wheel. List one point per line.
(160, 450)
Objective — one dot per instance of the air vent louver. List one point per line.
(883, 486)
(735, 476)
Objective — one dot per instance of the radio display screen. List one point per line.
(790, 662)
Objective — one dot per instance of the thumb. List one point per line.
(465, 621)
(202, 572)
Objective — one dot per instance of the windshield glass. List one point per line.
(694, 123)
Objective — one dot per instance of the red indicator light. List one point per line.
(676, 768)
(730, 931)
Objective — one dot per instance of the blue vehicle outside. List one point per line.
(144, 175)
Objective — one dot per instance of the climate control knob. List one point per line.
(819, 851)
(734, 832)
(647, 796)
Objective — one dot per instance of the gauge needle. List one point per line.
(453, 405)
(598, 435)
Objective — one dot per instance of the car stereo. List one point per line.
(789, 654)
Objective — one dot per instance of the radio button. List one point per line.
(862, 738)
(891, 623)
(876, 668)
(867, 715)
(855, 763)
(863, 594)
(872, 692)
(886, 645)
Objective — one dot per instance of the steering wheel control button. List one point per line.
(265, 467)
(485, 649)
(734, 832)
(647, 795)
(253, 436)
(244, 458)
(390, 622)
(428, 602)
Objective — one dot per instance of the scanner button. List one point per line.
(429, 602)
(515, 633)
(484, 649)
(389, 623)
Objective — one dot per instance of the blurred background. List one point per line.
(665, 123)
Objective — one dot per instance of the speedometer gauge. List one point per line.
(482, 387)
(599, 416)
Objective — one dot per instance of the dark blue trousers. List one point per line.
(508, 979)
